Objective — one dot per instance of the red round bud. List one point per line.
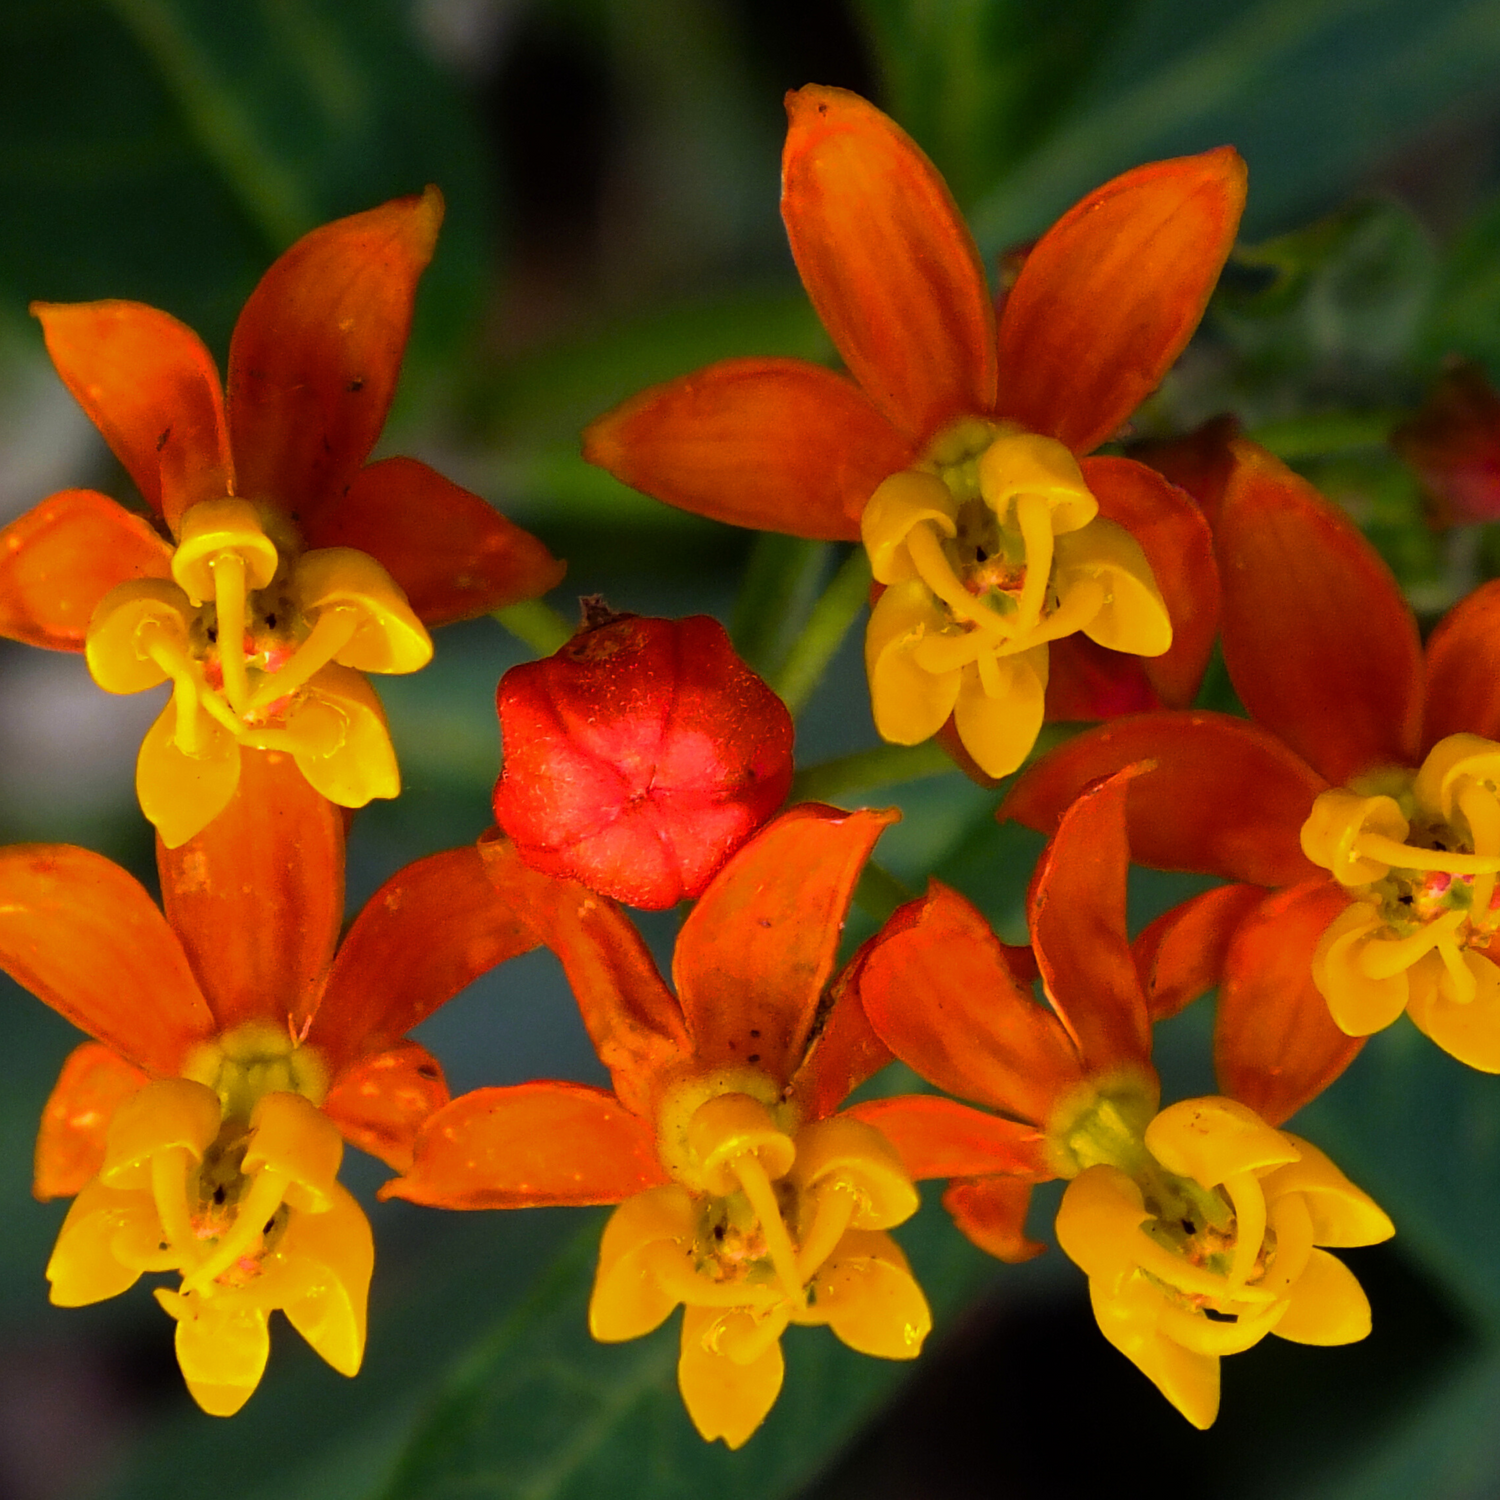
(640, 757)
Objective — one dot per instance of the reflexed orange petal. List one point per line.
(844, 1053)
(1199, 461)
(62, 557)
(938, 989)
(1320, 645)
(1180, 956)
(887, 260)
(149, 385)
(428, 931)
(1275, 1045)
(1463, 669)
(534, 1144)
(758, 948)
(455, 556)
(774, 444)
(1226, 798)
(257, 897)
(316, 352)
(70, 1144)
(1076, 914)
(632, 1019)
(1086, 681)
(381, 1102)
(1111, 294)
(1180, 548)
(991, 1211)
(937, 1137)
(83, 936)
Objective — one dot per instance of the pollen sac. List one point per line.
(990, 549)
(640, 757)
(248, 1211)
(1205, 1238)
(1420, 862)
(787, 1228)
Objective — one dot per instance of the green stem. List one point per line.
(827, 625)
(536, 624)
(219, 121)
(879, 893)
(867, 770)
(1324, 433)
(779, 589)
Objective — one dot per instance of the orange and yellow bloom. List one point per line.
(235, 1051)
(1366, 790)
(744, 1193)
(956, 451)
(1197, 1225)
(293, 566)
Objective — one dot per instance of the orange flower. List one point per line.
(1366, 791)
(954, 453)
(743, 1193)
(1196, 1224)
(201, 1130)
(263, 640)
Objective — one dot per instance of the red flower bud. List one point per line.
(640, 757)
(1453, 444)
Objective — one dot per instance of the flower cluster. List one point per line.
(1017, 575)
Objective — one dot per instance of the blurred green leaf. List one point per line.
(1346, 299)
(1313, 92)
(1449, 1446)
(546, 397)
(538, 1410)
(1466, 308)
(980, 82)
(165, 150)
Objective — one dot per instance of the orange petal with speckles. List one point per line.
(534, 1144)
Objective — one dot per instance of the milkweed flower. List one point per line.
(956, 451)
(293, 566)
(1365, 790)
(1198, 1225)
(744, 1193)
(639, 757)
(234, 1053)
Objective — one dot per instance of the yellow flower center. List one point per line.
(233, 1185)
(262, 643)
(990, 548)
(766, 1225)
(1419, 854)
(1199, 1240)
